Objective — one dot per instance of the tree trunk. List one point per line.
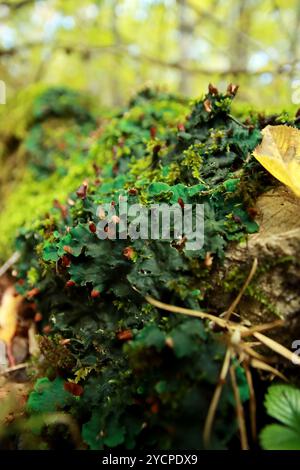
(185, 42)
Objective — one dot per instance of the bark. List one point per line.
(115, 83)
(239, 45)
(185, 41)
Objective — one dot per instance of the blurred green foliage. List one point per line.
(111, 48)
(42, 154)
(56, 149)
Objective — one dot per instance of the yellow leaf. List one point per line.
(8, 314)
(279, 153)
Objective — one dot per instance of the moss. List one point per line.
(192, 160)
(237, 275)
(59, 149)
(32, 199)
(254, 292)
(49, 161)
(146, 367)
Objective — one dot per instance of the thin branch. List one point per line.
(263, 366)
(221, 322)
(245, 347)
(9, 263)
(294, 40)
(238, 122)
(187, 311)
(281, 23)
(234, 304)
(14, 368)
(215, 399)
(275, 346)
(12, 51)
(18, 5)
(263, 327)
(239, 409)
(124, 50)
(252, 400)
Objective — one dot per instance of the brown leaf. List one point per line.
(95, 294)
(207, 106)
(232, 89)
(68, 249)
(73, 388)
(125, 335)
(82, 190)
(128, 252)
(212, 89)
(33, 293)
(208, 261)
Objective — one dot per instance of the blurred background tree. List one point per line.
(111, 48)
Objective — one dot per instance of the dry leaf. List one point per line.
(8, 314)
(209, 259)
(73, 388)
(207, 106)
(232, 89)
(279, 153)
(212, 89)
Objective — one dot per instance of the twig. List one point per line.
(14, 368)
(232, 307)
(263, 327)
(252, 400)
(9, 263)
(187, 311)
(215, 399)
(263, 366)
(251, 352)
(239, 123)
(226, 324)
(239, 409)
(17, 5)
(275, 346)
(272, 344)
(256, 360)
